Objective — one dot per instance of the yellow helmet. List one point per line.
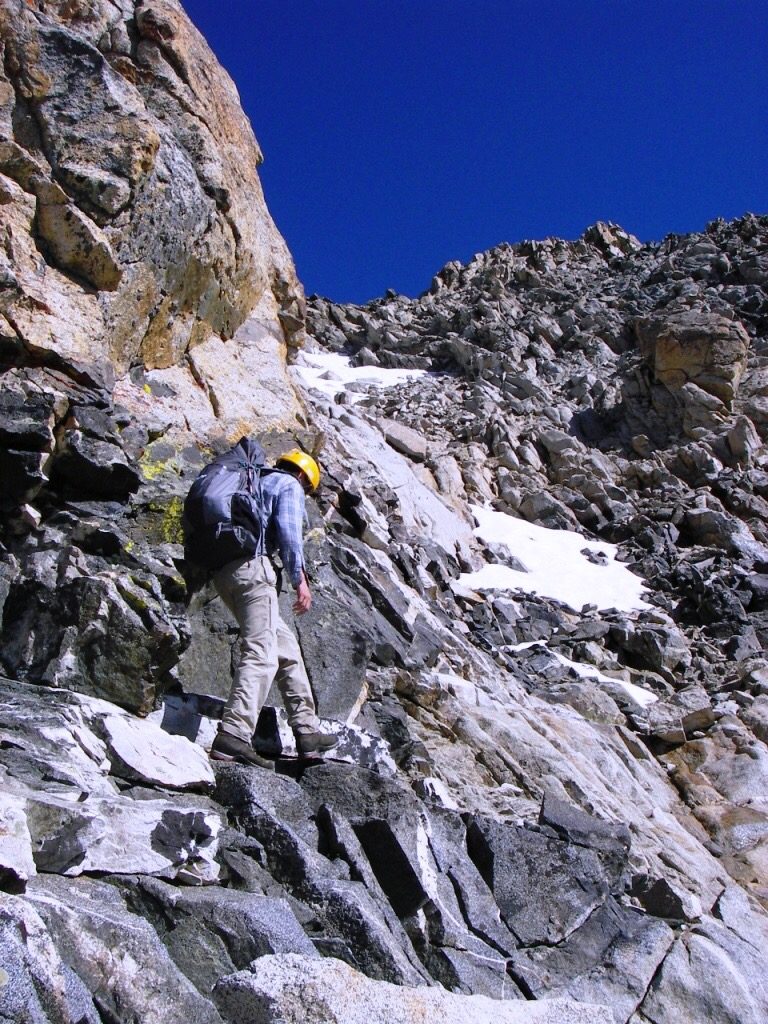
(305, 463)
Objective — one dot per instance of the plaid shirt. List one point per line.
(283, 502)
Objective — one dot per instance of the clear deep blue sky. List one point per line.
(400, 134)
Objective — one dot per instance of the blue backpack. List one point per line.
(224, 512)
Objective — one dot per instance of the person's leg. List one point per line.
(297, 697)
(248, 590)
(293, 683)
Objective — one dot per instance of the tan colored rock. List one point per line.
(73, 240)
(694, 346)
(246, 382)
(743, 439)
(133, 222)
(404, 439)
(722, 777)
(46, 310)
(225, 390)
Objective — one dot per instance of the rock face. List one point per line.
(549, 802)
(144, 289)
(136, 230)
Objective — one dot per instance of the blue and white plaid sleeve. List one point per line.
(289, 524)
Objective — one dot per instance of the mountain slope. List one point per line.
(539, 560)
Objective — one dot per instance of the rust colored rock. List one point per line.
(694, 346)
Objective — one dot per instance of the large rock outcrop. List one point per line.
(146, 309)
(136, 236)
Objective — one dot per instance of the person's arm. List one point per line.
(303, 600)
(289, 521)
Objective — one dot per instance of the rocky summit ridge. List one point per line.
(550, 799)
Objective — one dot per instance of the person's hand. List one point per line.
(303, 600)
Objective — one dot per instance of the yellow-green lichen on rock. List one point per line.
(171, 516)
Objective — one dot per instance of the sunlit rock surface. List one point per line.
(137, 232)
(335, 993)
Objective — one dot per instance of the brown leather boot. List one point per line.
(227, 747)
(314, 744)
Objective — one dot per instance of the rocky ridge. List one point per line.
(613, 389)
(558, 807)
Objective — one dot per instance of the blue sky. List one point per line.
(400, 134)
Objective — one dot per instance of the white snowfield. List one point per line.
(330, 373)
(556, 566)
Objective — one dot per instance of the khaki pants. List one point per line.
(268, 651)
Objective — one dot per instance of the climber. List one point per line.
(268, 649)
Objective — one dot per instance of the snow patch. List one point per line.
(639, 694)
(330, 373)
(556, 565)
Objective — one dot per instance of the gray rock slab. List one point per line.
(418, 869)
(46, 741)
(289, 859)
(359, 794)
(118, 834)
(116, 954)
(17, 864)
(756, 717)
(683, 713)
(142, 751)
(479, 909)
(344, 908)
(404, 439)
(372, 575)
(243, 859)
(95, 466)
(247, 790)
(725, 531)
(662, 649)
(340, 840)
(663, 898)
(211, 932)
(611, 841)
(104, 634)
(291, 990)
(36, 985)
(391, 826)
(59, 740)
(478, 971)
(545, 887)
(715, 973)
(336, 642)
(611, 959)
(347, 910)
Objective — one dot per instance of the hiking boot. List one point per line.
(268, 748)
(227, 747)
(314, 744)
